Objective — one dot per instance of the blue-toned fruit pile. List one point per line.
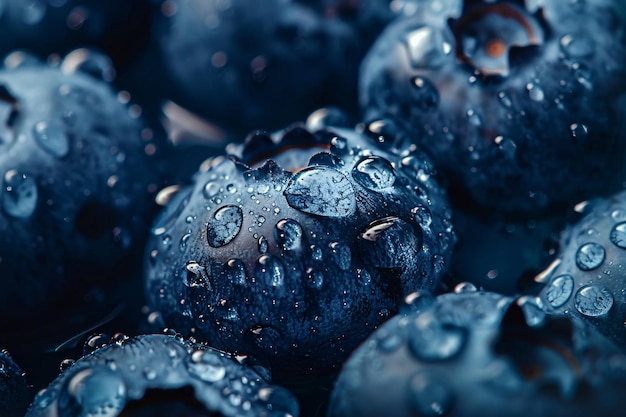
(312, 208)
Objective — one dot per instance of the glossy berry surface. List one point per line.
(296, 255)
(586, 281)
(521, 103)
(77, 168)
(153, 375)
(471, 353)
(247, 65)
(14, 392)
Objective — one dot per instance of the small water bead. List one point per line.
(505, 99)
(578, 131)
(424, 94)
(339, 145)
(206, 366)
(224, 226)
(197, 276)
(150, 374)
(417, 301)
(184, 240)
(618, 215)
(96, 391)
(390, 242)
(322, 191)
(210, 190)
(19, 194)
(431, 340)
(66, 364)
(375, 173)
(427, 47)
(263, 245)
(52, 138)
(422, 216)
(474, 118)
(535, 92)
(316, 253)
(341, 255)
(593, 301)
(465, 287)
(270, 271)
(559, 290)
(430, 396)
(288, 233)
(618, 235)
(590, 256)
(577, 45)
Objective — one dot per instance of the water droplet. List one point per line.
(375, 173)
(593, 300)
(322, 191)
(288, 233)
(429, 396)
(428, 47)
(505, 99)
(618, 235)
(263, 245)
(590, 256)
(197, 276)
(577, 45)
(88, 61)
(341, 255)
(618, 215)
(474, 118)
(270, 271)
(578, 131)
(207, 366)
(390, 242)
(19, 196)
(175, 206)
(66, 364)
(182, 245)
(422, 216)
(210, 190)
(465, 287)
(44, 398)
(224, 226)
(52, 138)
(314, 279)
(507, 146)
(236, 271)
(338, 145)
(424, 94)
(388, 343)
(96, 391)
(150, 374)
(535, 92)
(560, 290)
(417, 302)
(431, 340)
(533, 310)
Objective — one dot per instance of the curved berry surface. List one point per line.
(586, 281)
(160, 375)
(520, 102)
(58, 26)
(238, 63)
(471, 353)
(78, 169)
(14, 392)
(296, 255)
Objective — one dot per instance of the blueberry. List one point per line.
(520, 103)
(247, 65)
(297, 245)
(14, 392)
(586, 280)
(153, 375)
(473, 353)
(78, 170)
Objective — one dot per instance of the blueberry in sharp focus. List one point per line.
(297, 245)
(14, 392)
(78, 170)
(161, 375)
(521, 103)
(475, 353)
(586, 282)
(246, 64)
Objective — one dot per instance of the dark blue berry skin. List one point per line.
(152, 375)
(586, 282)
(260, 65)
(78, 171)
(297, 245)
(475, 353)
(43, 27)
(14, 392)
(520, 103)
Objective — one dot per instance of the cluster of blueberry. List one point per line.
(312, 207)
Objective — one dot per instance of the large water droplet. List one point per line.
(207, 366)
(96, 391)
(560, 290)
(341, 255)
(224, 226)
(390, 242)
(590, 256)
(431, 340)
(618, 235)
(288, 233)
(429, 396)
(270, 271)
(19, 195)
(375, 173)
(577, 45)
(428, 47)
(322, 191)
(593, 300)
(51, 138)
